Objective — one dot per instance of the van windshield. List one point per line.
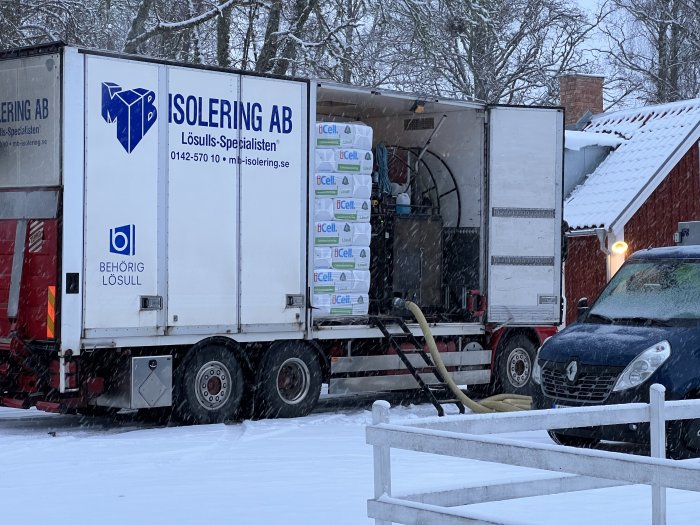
(647, 291)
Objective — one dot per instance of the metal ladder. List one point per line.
(438, 394)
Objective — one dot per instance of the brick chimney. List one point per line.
(580, 94)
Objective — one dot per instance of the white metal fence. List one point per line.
(464, 437)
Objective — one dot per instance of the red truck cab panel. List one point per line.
(36, 315)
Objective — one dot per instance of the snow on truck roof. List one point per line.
(654, 139)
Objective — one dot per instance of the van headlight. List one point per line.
(536, 368)
(643, 366)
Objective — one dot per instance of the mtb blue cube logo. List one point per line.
(133, 110)
(122, 240)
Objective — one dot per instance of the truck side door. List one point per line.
(524, 214)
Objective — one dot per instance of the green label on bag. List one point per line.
(327, 240)
(341, 311)
(348, 167)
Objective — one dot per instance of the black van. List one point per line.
(644, 328)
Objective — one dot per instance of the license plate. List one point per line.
(559, 405)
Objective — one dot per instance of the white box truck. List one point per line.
(157, 238)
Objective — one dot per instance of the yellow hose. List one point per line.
(497, 403)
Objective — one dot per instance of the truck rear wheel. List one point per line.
(516, 359)
(208, 385)
(289, 381)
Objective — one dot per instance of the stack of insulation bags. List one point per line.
(342, 188)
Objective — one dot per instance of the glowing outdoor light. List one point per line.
(619, 247)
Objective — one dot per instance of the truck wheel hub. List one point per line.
(293, 381)
(519, 367)
(213, 385)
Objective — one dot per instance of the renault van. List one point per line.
(644, 328)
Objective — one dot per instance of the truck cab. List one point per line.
(644, 328)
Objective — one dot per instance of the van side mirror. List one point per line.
(582, 308)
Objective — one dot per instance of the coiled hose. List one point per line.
(497, 403)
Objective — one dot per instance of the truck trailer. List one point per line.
(160, 227)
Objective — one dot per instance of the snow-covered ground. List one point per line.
(315, 470)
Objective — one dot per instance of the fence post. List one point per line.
(657, 430)
(382, 456)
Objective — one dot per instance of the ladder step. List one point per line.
(431, 391)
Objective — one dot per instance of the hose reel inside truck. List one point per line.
(419, 249)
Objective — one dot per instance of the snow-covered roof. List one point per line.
(576, 140)
(656, 138)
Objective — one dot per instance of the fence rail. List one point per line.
(466, 437)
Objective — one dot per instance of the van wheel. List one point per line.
(683, 439)
(289, 382)
(208, 385)
(691, 434)
(572, 441)
(516, 359)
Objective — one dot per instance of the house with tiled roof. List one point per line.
(631, 177)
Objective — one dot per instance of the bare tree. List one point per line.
(653, 49)
(24, 23)
(495, 50)
(499, 50)
(149, 23)
(361, 42)
(223, 38)
(284, 35)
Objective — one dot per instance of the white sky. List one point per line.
(588, 4)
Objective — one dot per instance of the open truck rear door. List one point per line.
(525, 174)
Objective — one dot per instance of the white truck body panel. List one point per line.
(195, 201)
(72, 255)
(524, 215)
(190, 218)
(202, 223)
(273, 209)
(121, 195)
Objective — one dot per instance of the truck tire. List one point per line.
(515, 360)
(289, 381)
(208, 385)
